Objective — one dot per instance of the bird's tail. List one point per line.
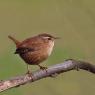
(14, 40)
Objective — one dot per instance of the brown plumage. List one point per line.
(36, 49)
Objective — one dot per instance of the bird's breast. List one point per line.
(34, 58)
(39, 55)
(50, 48)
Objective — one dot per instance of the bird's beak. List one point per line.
(57, 38)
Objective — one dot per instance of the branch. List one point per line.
(68, 65)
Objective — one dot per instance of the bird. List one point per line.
(35, 50)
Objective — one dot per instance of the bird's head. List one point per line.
(48, 41)
(48, 37)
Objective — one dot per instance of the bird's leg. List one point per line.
(29, 73)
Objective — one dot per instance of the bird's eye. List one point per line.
(49, 38)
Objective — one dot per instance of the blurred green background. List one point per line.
(72, 20)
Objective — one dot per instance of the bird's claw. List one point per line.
(30, 74)
(43, 68)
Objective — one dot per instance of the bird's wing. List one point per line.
(23, 50)
(31, 44)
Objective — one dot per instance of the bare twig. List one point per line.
(68, 65)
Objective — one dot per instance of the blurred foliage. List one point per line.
(72, 20)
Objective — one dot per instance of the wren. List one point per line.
(35, 50)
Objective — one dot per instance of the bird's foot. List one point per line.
(30, 75)
(28, 72)
(43, 68)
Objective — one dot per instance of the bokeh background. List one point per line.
(72, 20)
